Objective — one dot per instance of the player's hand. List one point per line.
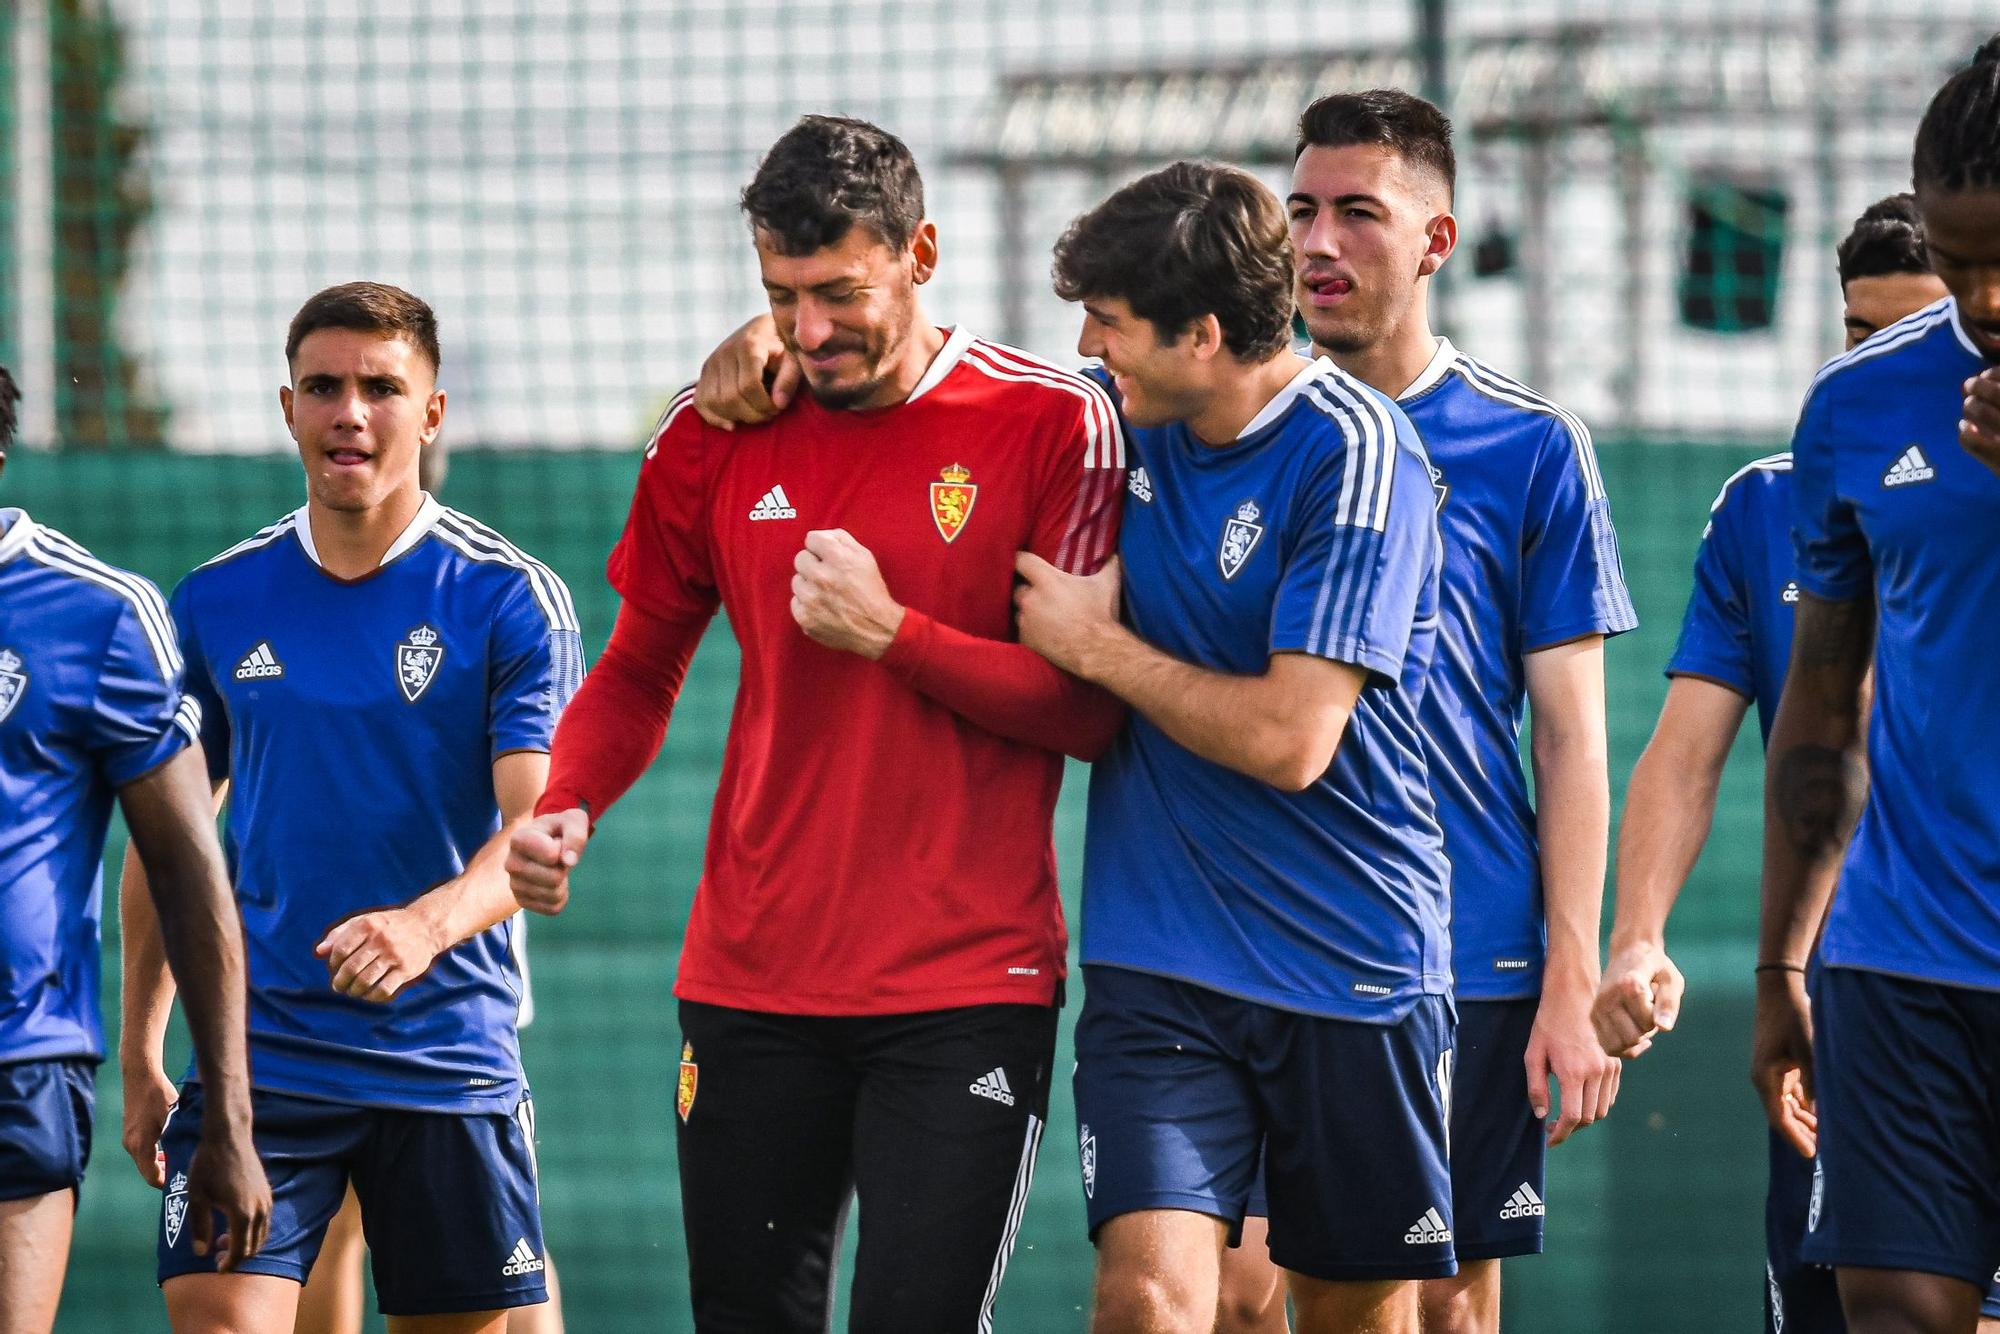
(541, 854)
(226, 1178)
(1979, 419)
(1639, 997)
(149, 1096)
(732, 390)
(1563, 1046)
(838, 597)
(1781, 1062)
(377, 954)
(1059, 615)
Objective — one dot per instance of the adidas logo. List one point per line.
(993, 1085)
(259, 664)
(1909, 468)
(774, 504)
(1139, 484)
(1524, 1204)
(1428, 1230)
(522, 1261)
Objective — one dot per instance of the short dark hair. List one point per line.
(369, 308)
(1414, 129)
(1192, 239)
(10, 396)
(1887, 238)
(828, 174)
(1958, 143)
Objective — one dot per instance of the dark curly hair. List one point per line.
(10, 397)
(1958, 143)
(1189, 240)
(1887, 238)
(827, 174)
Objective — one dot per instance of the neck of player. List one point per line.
(1393, 363)
(1236, 399)
(351, 543)
(920, 349)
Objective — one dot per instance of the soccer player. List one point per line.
(379, 678)
(871, 974)
(1265, 888)
(91, 710)
(1735, 640)
(1893, 525)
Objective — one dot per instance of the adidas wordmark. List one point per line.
(523, 1261)
(259, 664)
(1524, 1204)
(774, 504)
(993, 1085)
(1428, 1230)
(1910, 466)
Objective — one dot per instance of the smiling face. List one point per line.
(1158, 380)
(846, 311)
(1962, 232)
(1366, 226)
(362, 407)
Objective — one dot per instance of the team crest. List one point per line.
(690, 1077)
(1818, 1196)
(417, 659)
(951, 501)
(1240, 537)
(177, 1207)
(13, 682)
(1439, 484)
(1086, 1147)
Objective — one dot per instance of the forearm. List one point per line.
(146, 996)
(1669, 809)
(1006, 688)
(613, 729)
(1572, 819)
(473, 901)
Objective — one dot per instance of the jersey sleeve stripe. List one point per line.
(188, 717)
(1107, 436)
(482, 543)
(1369, 466)
(1904, 331)
(261, 538)
(676, 405)
(1512, 392)
(58, 552)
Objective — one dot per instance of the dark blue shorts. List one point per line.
(1178, 1088)
(1498, 1145)
(45, 1109)
(1907, 1075)
(448, 1199)
(1799, 1297)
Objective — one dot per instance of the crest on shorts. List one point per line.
(690, 1077)
(177, 1207)
(417, 659)
(1086, 1149)
(13, 681)
(951, 500)
(1818, 1196)
(1240, 536)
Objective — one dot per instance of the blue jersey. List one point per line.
(1530, 562)
(1885, 501)
(1737, 630)
(1315, 532)
(90, 699)
(357, 722)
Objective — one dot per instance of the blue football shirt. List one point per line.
(357, 722)
(1884, 499)
(90, 699)
(1530, 562)
(1737, 630)
(1315, 532)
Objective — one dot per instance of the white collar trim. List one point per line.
(1284, 398)
(1958, 328)
(1439, 367)
(948, 357)
(427, 515)
(19, 530)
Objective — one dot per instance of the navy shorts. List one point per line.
(1907, 1075)
(448, 1199)
(1799, 1297)
(1179, 1088)
(45, 1109)
(1498, 1145)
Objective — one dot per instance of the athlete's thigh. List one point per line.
(34, 1254)
(304, 1145)
(1498, 1145)
(200, 1303)
(948, 1119)
(1158, 1271)
(1167, 1115)
(463, 1322)
(1906, 1083)
(1355, 1157)
(1907, 1300)
(1361, 1307)
(1252, 1292)
(765, 1142)
(1799, 1297)
(332, 1302)
(449, 1208)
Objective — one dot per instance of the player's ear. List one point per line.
(924, 252)
(1442, 239)
(433, 415)
(1205, 337)
(285, 405)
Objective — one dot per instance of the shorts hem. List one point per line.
(1503, 1249)
(504, 1300)
(1862, 1257)
(1184, 1201)
(1356, 1271)
(256, 1264)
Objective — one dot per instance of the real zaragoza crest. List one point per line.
(1240, 537)
(951, 500)
(417, 659)
(177, 1207)
(690, 1078)
(13, 682)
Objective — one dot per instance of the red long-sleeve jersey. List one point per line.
(881, 837)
